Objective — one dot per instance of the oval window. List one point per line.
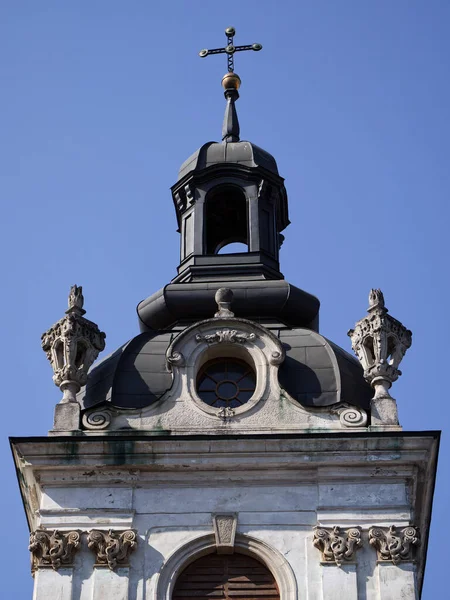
(226, 382)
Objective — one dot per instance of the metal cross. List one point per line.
(230, 49)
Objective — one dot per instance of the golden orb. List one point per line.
(231, 80)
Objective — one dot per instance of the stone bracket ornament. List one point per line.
(337, 546)
(175, 359)
(380, 342)
(112, 548)
(230, 336)
(350, 416)
(72, 345)
(394, 545)
(225, 532)
(53, 548)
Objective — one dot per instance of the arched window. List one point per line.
(226, 577)
(225, 218)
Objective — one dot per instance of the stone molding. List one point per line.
(337, 546)
(394, 545)
(112, 548)
(53, 548)
(225, 532)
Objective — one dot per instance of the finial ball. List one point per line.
(230, 31)
(231, 81)
(224, 295)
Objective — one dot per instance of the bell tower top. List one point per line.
(228, 192)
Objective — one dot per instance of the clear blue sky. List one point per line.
(103, 100)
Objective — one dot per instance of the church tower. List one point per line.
(228, 450)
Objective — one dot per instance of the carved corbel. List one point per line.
(53, 548)
(112, 548)
(337, 546)
(225, 532)
(393, 545)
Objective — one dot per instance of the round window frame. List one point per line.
(222, 359)
(250, 353)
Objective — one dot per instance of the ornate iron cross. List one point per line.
(230, 49)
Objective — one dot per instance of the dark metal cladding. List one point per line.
(275, 300)
(318, 373)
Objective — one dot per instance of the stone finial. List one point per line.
(393, 545)
(224, 298)
(112, 548)
(337, 546)
(72, 345)
(380, 342)
(53, 548)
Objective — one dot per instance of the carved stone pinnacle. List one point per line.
(380, 342)
(72, 345)
(337, 546)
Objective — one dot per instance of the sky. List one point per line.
(101, 103)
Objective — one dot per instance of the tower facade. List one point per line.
(228, 450)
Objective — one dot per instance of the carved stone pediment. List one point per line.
(53, 548)
(337, 546)
(112, 548)
(392, 544)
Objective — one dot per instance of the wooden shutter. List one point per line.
(227, 577)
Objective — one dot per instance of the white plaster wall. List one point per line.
(282, 515)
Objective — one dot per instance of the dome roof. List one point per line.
(133, 376)
(213, 153)
(318, 373)
(315, 372)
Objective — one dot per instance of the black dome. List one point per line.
(243, 153)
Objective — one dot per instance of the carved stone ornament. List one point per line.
(97, 419)
(350, 416)
(337, 546)
(53, 548)
(230, 336)
(72, 345)
(225, 532)
(226, 412)
(393, 545)
(112, 548)
(177, 359)
(380, 342)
